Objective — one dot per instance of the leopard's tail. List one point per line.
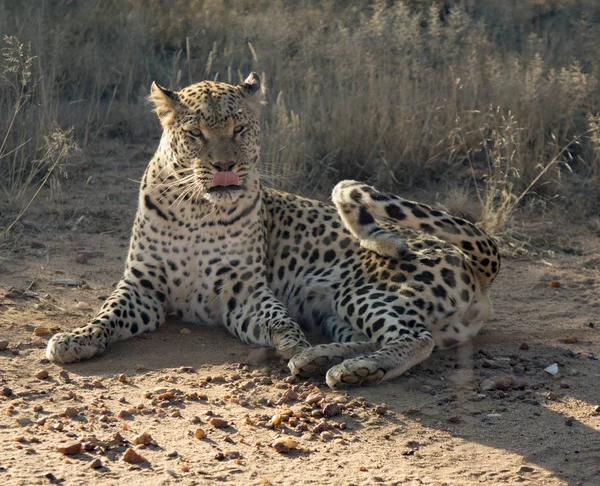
(359, 204)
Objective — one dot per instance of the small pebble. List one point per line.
(490, 363)
(83, 306)
(70, 412)
(41, 374)
(118, 437)
(524, 346)
(64, 376)
(569, 422)
(283, 446)
(3, 344)
(132, 457)
(70, 448)
(41, 331)
(219, 456)
(122, 378)
(519, 369)
(96, 463)
(381, 409)
(326, 436)
(569, 340)
(81, 258)
(313, 398)
(143, 439)
(290, 395)
(199, 434)
(498, 383)
(331, 409)
(218, 423)
(54, 426)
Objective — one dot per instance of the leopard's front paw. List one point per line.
(314, 361)
(354, 372)
(67, 347)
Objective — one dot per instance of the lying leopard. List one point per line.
(212, 245)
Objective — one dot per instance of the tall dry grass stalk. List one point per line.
(395, 93)
(28, 161)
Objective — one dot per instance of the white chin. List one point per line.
(222, 195)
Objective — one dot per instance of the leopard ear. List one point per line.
(253, 91)
(165, 103)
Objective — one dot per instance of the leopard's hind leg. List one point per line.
(399, 341)
(393, 359)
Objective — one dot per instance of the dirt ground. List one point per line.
(483, 414)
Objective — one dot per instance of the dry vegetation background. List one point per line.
(490, 107)
(492, 101)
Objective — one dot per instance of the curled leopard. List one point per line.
(386, 279)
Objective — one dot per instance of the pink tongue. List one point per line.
(224, 179)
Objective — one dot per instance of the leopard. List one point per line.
(384, 279)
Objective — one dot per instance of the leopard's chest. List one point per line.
(204, 269)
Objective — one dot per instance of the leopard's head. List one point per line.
(211, 133)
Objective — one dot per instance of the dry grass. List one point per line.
(499, 97)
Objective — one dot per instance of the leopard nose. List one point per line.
(223, 165)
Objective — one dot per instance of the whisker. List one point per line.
(188, 190)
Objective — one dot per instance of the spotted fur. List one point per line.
(263, 262)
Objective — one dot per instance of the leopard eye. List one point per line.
(239, 130)
(196, 132)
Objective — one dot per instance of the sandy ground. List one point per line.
(483, 414)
